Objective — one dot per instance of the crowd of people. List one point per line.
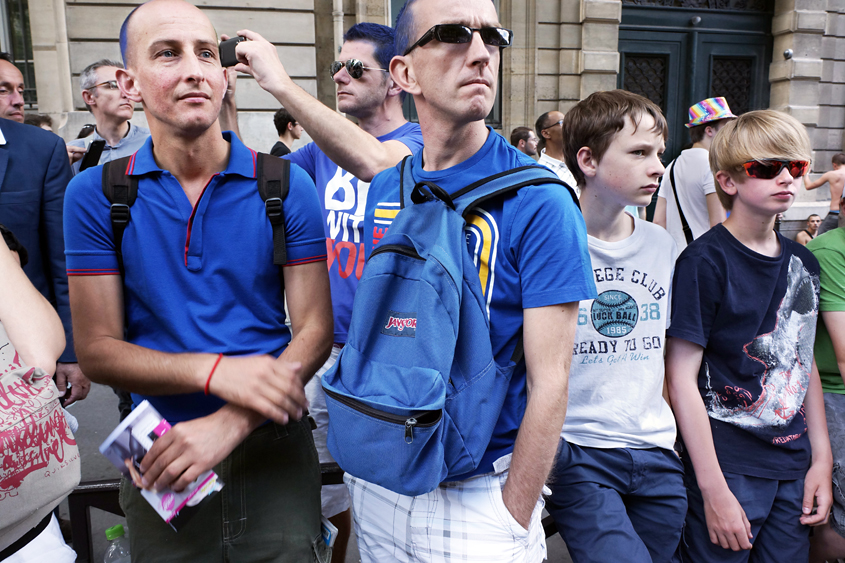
(664, 400)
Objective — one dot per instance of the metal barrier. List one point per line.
(105, 494)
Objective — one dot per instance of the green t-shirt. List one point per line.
(829, 249)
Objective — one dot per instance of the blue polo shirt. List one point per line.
(198, 279)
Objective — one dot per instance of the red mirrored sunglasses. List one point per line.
(770, 168)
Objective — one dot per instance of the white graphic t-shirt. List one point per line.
(616, 379)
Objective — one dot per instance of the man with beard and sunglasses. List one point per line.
(531, 252)
(341, 161)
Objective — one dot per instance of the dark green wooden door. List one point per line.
(677, 56)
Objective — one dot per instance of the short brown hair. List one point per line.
(838, 159)
(520, 134)
(595, 120)
(756, 135)
(696, 134)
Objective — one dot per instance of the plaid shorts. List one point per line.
(460, 521)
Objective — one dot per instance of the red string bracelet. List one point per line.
(219, 357)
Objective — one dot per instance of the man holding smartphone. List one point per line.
(342, 160)
(115, 136)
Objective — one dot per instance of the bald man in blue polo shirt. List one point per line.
(204, 308)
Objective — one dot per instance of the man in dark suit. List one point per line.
(34, 172)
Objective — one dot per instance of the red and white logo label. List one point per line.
(400, 324)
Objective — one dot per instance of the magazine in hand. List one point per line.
(127, 445)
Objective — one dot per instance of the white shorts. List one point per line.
(334, 498)
(460, 521)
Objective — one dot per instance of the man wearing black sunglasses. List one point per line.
(530, 249)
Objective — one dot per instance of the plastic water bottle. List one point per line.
(118, 550)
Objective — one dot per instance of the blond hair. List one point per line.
(756, 135)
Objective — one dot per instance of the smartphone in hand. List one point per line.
(228, 57)
(92, 156)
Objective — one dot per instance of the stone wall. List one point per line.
(92, 28)
(807, 78)
(828, 138)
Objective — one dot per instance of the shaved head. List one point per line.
(172, 67)
(154, 9)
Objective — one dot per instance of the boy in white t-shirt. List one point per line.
(693, 185)
(617, 486)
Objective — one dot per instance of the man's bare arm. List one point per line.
(660, 212)
(346, 144)
(812, 185)
(715, 211)
(258, 383)
(228, 116)
(310, 307)
(192, 447)
(548, 336)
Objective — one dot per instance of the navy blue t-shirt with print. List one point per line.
(530, 248)
(755, 316)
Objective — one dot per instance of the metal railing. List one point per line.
(105, 494)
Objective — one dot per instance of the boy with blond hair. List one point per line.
(617, 486)
(744, 307)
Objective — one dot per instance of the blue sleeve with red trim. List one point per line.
(304, 236)
(89, 242)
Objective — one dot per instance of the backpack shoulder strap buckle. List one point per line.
(119, 214)
(273, 207)
(273, 178)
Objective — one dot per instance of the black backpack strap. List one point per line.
(402, 181)
(518, 351)
(273, 178)
(684, 225)
(120, 190)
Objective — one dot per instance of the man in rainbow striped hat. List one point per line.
(687, 204)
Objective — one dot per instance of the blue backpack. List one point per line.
(415, 394)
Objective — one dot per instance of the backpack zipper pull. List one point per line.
(409, 430)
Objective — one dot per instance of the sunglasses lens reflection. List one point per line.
(768, 169)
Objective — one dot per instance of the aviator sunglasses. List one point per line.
(457, 33)
(771, 167)
(354, 67)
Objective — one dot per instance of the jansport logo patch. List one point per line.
(400, 324)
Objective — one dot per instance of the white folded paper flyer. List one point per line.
(131, 440)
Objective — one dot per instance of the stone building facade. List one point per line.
(563, 51)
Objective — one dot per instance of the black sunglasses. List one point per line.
(457, 33)
(771, 168)
(354, 67)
